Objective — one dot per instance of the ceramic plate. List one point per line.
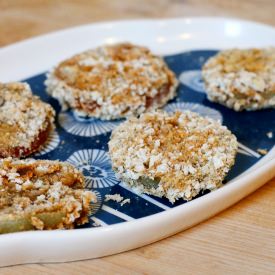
(185, 44)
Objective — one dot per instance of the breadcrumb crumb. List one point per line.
(114, 197)
(262, 151)
(125, 201)
(117, 198)
(96, 224)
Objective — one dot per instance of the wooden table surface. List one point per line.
(240, 240)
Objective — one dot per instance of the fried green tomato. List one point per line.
(42, 194)
(175, 156)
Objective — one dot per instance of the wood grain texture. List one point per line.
(241, 240)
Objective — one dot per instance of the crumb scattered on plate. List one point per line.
(117, 198)
(125, 201)
(114, 197)
(269, 135)
(96, 224)
(262, 151)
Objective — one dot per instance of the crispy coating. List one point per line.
(241, 79)
(25, 121)
(41, 194)
(172, 155)
(112, 82)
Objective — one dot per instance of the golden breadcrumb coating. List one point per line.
(41, 194)
(241, 79)
(25, 121)
(111, 82)
(172, 155)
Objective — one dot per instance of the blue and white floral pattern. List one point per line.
(96, 206)
(96, 166)
(51, 143)
(194, 107)
(86, 149)
(85, 126)
(193, 80)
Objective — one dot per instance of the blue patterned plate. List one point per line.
(115, 226)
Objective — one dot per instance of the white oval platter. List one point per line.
(165, 37)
